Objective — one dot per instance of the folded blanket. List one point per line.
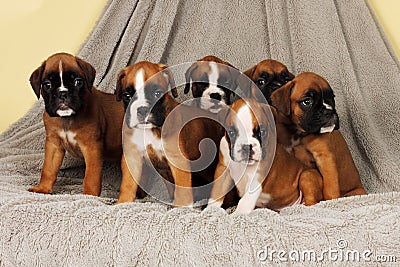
(338, 39)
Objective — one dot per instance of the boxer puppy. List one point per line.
(78, 119)
(212, 82)
(268, 75)
(309, 118)
(170, 143)
(246, 155)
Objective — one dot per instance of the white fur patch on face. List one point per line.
(244, 122)
(327, 106)
(65, 112)
(139, 102)
(206, 101)
(328, 129)
(62, 88)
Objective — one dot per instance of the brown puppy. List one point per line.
(268, 75)
(78, 119)
(212, 82)
(246, 155)
(308, 124)
(159, 132)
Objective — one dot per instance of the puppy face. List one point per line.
(63, 80)
(212, 82)
(247, 130)
(143, 87)
(310, 103)
(269, 75)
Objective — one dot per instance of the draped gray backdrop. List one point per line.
(339, 39)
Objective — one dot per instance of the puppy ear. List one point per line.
(171, 81)
(234, 72)
(250, 72)
(188, 75)
(118, 87)
(88, 70)
(36, 79)
(281, 98)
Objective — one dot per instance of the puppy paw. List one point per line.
(240, 211)
(40, 189)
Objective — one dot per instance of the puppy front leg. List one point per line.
(183, 187)
(94, 164)
(310, 184)
(53, 157)
(130, 179)
(222, 181)
(248, 202)
(326, 164)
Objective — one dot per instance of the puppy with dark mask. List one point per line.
(268, 75)
(308, 126)
(264, 176)
(164, 136)
(78, 119)
(212, 82)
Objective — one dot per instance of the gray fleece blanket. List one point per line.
(339, 39)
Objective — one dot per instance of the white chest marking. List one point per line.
(68, 137)
(293, 143)
(62, 88)
(144, 137)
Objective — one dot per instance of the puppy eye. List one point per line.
(231, 133)
(78, 82)
(260, 82)
(126, 97)
(263, 132)
(307, 102)
(46, 85)
(158, 93)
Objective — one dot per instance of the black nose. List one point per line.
(216, 96)
(328, 112)
(247, 150)
(62, 96)
(142, 111)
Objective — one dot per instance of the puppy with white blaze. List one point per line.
(264, 173)
(212, 82)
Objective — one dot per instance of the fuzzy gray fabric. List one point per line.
(339, 39)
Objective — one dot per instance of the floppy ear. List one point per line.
(89, 72)
(118, 87)
(249, 73)
(36, 78)
(171, 81)
(234, 72)
(188, 74)
(281, 98)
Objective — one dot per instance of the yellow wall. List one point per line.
(387, 12)
(31, 30)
